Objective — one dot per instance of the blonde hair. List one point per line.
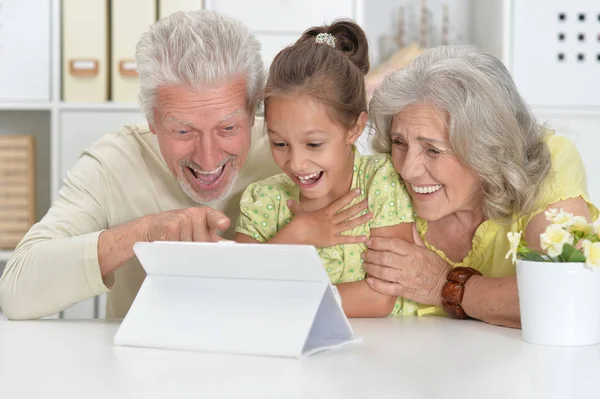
(491, 128)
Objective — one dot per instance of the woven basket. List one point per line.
(17, 188)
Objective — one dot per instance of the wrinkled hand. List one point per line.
(200, 223)
(323, 227)
(399, 268)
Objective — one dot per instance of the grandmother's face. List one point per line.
(439, 183)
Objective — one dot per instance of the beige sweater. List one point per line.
(120, 178)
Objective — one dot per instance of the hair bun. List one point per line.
(350, 39)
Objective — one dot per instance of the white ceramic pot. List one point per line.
(560, 303)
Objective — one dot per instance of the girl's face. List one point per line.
(314, 151)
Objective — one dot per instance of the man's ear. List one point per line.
(358, 128)
(151, 124)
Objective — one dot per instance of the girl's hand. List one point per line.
(323, 227)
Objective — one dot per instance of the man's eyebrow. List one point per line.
(173, 119)
(231, 115)
(190, 124)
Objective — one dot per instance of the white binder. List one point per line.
(273, 300)
(85, 50)
(129, 20)
(168, 7)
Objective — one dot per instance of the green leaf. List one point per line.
(533, 256)
(571, 254)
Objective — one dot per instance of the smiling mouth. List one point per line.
(427, 189)
(309, 179)
(207, 178)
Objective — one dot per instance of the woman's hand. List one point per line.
(398, 268)
(323, 227)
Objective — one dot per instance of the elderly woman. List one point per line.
(477, 166)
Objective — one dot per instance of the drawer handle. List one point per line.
(84, 67)
(128, 68)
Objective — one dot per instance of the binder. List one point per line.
(168, 7)
(85, 50)
(129, 20)
(253, 299)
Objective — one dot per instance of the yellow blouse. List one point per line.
(567, 179)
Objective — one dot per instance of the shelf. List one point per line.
(10, 106)
(107, 106)
(4, 255)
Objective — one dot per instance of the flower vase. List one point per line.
(559, 302)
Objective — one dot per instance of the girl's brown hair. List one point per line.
(333, 76)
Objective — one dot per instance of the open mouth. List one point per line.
(309, 180)
(427, 189)
(207, 178)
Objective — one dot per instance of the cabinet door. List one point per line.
(556, 52)
(80, 129)
(284, 15)
(25, 50)
(271, 44)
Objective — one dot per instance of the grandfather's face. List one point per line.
(204, 136)
(439, 183)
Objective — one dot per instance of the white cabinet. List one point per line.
(279, 23)
(552, 49)
(554, 38)
(284, 15)
(24, 50)
(80, 129)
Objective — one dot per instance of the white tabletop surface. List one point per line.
(428, 357)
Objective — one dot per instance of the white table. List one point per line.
(429, 357)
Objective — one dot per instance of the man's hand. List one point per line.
(199, 224)
(115, 245)
(323, 227)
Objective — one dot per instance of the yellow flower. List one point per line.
(559, 217)
(514, 239)
(591, 250)
(553, 239)
(579, 223)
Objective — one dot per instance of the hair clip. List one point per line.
(326, 38)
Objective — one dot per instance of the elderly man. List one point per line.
(201, 78)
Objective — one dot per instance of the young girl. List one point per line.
(315, 109)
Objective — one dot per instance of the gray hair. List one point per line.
(198, 48)
(491, 128)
